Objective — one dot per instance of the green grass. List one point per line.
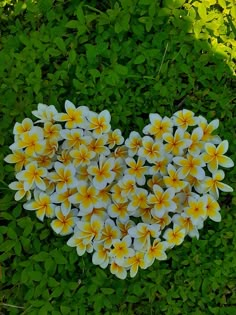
(133, 58)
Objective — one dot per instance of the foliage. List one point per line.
(132, 57)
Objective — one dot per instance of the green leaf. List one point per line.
(72, 24)
(35, 275)
(120, 69)
(60, 43)
(107, 291)
(7, 245)
(139, 59)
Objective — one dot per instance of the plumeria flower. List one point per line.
(32, 176)
(99, 123)
(82, 174)
(52, 131)
(184, 194)
(134, 262)
(214, 156)
(142, 234)
(121, 249)
(82, 156)
(21, 192)
(213, 209)
(124, 227)
(151, 150)
(161, 200)
(184, 118)
(104, 196)
(50, 149)
(74, 117)
(101, 255)
(98, 145)
(102, 172)
(190, 166)
(86, 197)
(43, 161)
(145, 214)
(21, 128)
(161, 166)
(117, 270)
(63, 199)
(100, 213)
(64, 176)
(119, 168)
(173, 180)
(120, 152)
(176, 143)
(155, 251)
(19, 158)
(64, 224)
(185, 222)
(64, 157)
(42, 204)
(45, 113)
(127, 185)
(174, 236)
(196, 146)
(119, 210)
(156, 180)
(117, 195)
(77, 241)
(138, 200)
(109, 233)
(137, 169)
(89, 231)
(114, 138)
(208, 130)
(196, 209)
(213, 184)
(162, 221)
(74, 138)
(158, 126)
(133, 143)
(32, 141)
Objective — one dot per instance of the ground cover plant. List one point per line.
(132, 58)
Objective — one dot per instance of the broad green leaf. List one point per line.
(139, 59)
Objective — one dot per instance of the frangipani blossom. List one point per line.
(98, 145)
(52, 131)
(42, 204)
(64, 176)
(114, 138)
(77, 241)
(121, 249)
(142, 234)
(74, 117)
(161, 166)
(190, 166)
(174, 236)
(134, 262)
(101, 255)
(117, 195)
(82, 156)
(197, 209)
(155, 251)
(21, 192)
(45, 113)
(20, 128)
(102, 172)
(158, 126)
(137, 169)
(64, 224)
(117, 270)
(32, 175)
(74, 138)
(133, 143)
(196, 146)
(162, 200)
(119, 210)
(185, 222)
(138, 200)
(63, 198)
(128, 185)
(151, 150)
(184, 118)
(176, 143)
(162, 221)
(213, 184)
(99, 123)
(89, 231)
(208, 129)
(173, 180)
(213, 209)
(214, 156)
(19, 158)
(124, 227)
(109, 233)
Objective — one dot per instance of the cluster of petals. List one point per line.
(126, 202)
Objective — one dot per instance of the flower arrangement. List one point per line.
(124, 201)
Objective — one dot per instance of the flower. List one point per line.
(196, 209)
(101, 255)
(162, 200)
(64, 176)
(102, 172)
(109, 232)
(137, 169)
(82, 156)
(19, 158)
(174, 236)
(26, 125)
(45, 113)
(119, 210)
(133, 143)
(173, 180)
(176, 143)
(150, 150)
(118, 270)
(32, 175)
(214, 156)
(142, 234)
(74, 117)
(190, 166)
(213, 209)
(213, 184)
(138, 200)
(208, 129)
(21, 192)
(99, 123)
(185, 222)
(155, 251)
(184, 118)
(134, 262)
(158, 126)
(77, 241)
(196, 146)
(121, 249)
(42, 204)
(64, 224)
(114, 138)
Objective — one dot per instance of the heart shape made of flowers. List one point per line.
(125, 201)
